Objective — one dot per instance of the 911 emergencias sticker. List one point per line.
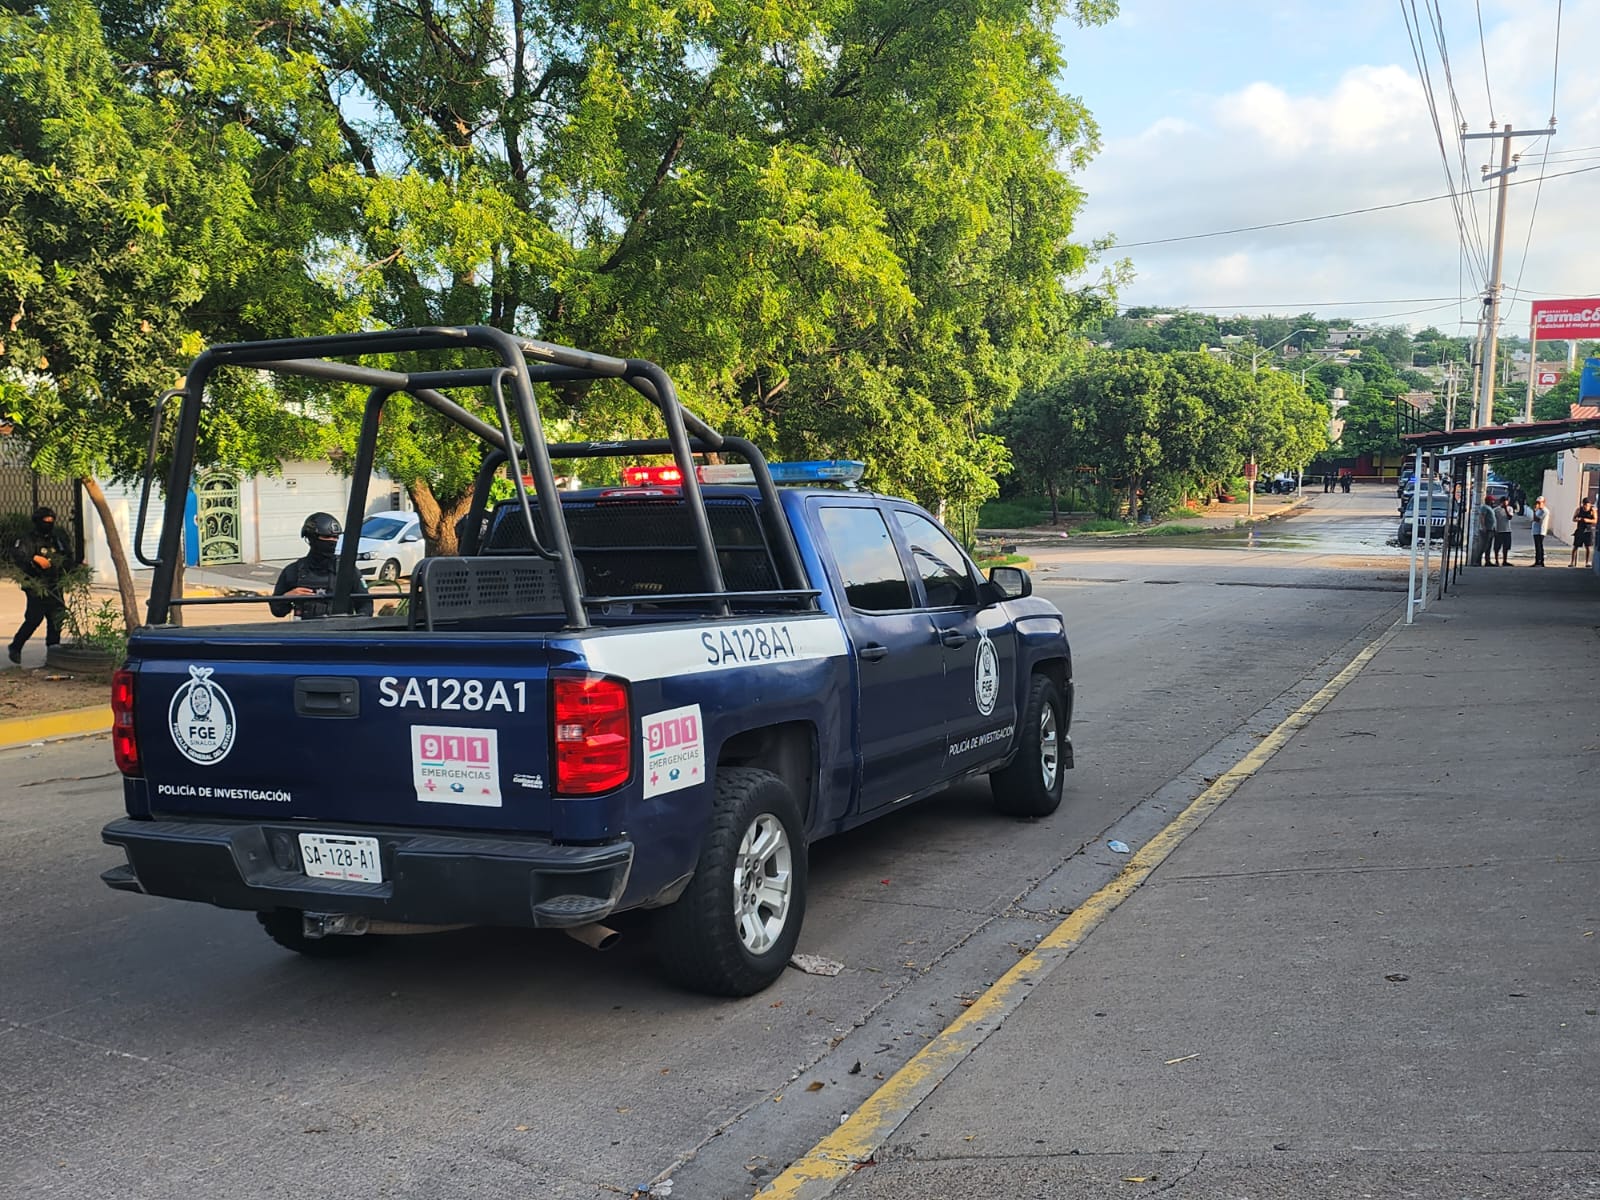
(674, 750)
(455, 766)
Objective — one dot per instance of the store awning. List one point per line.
(1538, 437)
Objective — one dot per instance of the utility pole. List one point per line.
(1485, 411)
(1485, 397)
(1449, 397)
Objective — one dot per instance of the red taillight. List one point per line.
(593, 734)
(124, 739)
(651, 476)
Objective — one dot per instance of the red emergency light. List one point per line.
(652, 477)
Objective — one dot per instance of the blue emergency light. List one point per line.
(841, 470)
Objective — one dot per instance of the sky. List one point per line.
(1217, 116)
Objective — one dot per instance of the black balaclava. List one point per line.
(44, 520)
(321, 532)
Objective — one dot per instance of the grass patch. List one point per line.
(1177, 530)
(1103, 525)
(1013, 514)
(1001, 560)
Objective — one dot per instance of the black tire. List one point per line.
(1031, 786)
(698, 938)
(389, 572)
(283, 925)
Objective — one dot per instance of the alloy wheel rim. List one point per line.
(763, 879)
(1049, 752)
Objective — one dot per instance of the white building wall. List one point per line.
(123, 501)
(281, 503)
(1561, 488)
(271, 510)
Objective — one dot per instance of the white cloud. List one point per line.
(1260, 150)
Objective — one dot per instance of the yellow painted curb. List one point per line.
(19, 731)
(816, 1173)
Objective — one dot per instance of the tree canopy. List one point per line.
(844, 228)
(1165, 425)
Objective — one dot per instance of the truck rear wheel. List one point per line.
(732, 931)
(1031, 785)
(286, 926)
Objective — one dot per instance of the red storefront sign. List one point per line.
(1567, 319)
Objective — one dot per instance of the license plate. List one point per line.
(334, 856)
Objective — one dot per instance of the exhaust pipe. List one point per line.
(595, 936)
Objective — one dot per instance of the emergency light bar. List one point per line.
(651, 477)
(820, 471)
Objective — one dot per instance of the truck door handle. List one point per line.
(952, 638)
(327, 696)
(872, 652)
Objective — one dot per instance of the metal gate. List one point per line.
(217, 516)
(22, 489)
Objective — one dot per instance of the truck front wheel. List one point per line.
(1031, 785)
(732, 931)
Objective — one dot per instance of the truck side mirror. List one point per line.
(1010, 583)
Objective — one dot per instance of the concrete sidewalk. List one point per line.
(1373, 971)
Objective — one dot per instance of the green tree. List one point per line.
(843, 228)
(115, 231)
(1202, 423)
(1119, 396)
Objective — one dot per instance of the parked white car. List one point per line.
(391, 545)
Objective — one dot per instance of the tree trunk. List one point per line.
(119, 556)
(438, 518)
(1055, 502)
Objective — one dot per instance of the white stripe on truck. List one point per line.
(710, 646)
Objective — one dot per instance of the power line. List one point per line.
(1555, 72)
(1333, 216)
(1483, 49)
(1436, 19)
(1304, 305)
(1413, 25)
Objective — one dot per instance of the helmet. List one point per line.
(321, 525)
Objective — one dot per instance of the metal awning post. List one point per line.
(1416, 542)
(1427, 542)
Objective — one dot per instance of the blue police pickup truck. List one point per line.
(642, 697)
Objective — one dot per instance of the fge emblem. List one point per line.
(986, 674)
(201, 719)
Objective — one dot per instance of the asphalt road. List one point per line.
(155, 1049)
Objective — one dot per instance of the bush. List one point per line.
(93, 624)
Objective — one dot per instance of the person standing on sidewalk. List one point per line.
(43, 556)
(1541, 526)
(1502, 531)
(1483, 543)
(1583, 522)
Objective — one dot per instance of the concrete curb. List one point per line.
(76, 722)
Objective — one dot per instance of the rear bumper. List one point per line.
(429, 878)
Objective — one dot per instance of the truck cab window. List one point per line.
(869, 567)
(945, 577)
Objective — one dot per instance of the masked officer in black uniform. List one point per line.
(41, 554)
(314, 573)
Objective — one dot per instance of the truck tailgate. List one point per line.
(409, 729)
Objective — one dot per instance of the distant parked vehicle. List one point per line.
(391, 545)
(1440, 492)
(1436, 517)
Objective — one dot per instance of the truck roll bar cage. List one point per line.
(519, 363)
